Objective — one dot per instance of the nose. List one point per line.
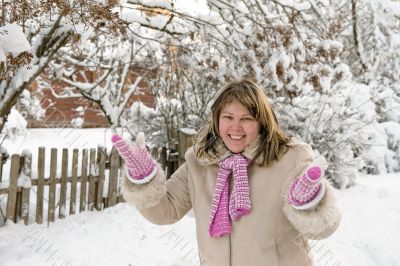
(236, 124)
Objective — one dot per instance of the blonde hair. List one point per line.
(272, 142)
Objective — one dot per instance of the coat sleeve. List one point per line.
(321, 221)
(159, 201)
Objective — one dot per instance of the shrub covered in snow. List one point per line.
(15, 125)
(392, 130)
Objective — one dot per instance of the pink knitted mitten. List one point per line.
(141, 168)
(308, 189)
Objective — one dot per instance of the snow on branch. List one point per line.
(14, 50)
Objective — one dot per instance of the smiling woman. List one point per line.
(241, 115)
(279, 198)
(237, 127)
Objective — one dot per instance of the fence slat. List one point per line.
(108, 166)
(154, 153)
(40, 186)
(82, 199)
(101, 162)
(12, 189)
(185, 142)
(163, 157)
(52, 185)
(1, 167)
(172, 162)
(26, 170)
(113, 178)
(92, 182)
(63, 193)
(18, 205)
(74, 178)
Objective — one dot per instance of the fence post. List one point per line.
(82, 199)
(1, 167)
(74, 178)
(163, 157)
(52, 185)
(92, 181)
(63, 193)
(185, 142)
(172, 161)
(113, 178)
(27, 172)
(40, 186)
(108, 166)
(12, 189)
(18, 206)
(101, 161)
(154, 153)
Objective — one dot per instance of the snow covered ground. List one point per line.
(368, 235)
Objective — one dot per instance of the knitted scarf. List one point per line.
(239, 203)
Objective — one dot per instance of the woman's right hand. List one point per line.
(139, 164)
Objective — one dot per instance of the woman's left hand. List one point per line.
(307, 189)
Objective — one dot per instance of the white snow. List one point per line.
(15, 125)
(188, 131)
(298, 5)
(115, 236)
(77, 122)
(13, 41)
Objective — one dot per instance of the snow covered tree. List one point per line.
(48, 26)
(106, 73)
(184, 84)
(374, 42)
(108, 69)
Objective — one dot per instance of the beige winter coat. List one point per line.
(273, 234)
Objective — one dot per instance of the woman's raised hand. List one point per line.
(139, 164)
(308, 188)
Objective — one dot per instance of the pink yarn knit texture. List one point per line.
(222, 208)
(137, 159)
(306, 186)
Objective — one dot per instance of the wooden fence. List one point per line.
(77, 192)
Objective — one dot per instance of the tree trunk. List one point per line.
(355, 34)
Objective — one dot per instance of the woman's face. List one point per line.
(237, 127)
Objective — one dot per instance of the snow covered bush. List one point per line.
(29, 105)
(392, 130)
(183, 81)
(15, 126)
(386, 96)
(336, 124)
(148, 120)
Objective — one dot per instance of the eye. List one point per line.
(227, 117)
(247, 118)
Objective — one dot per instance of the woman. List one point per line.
(256, 194)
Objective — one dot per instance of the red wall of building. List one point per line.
(59, 111)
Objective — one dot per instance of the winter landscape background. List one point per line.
(330, 68)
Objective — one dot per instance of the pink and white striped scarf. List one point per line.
(239, 203)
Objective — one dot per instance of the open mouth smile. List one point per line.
(236, 137)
